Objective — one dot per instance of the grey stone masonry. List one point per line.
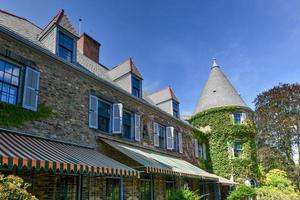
(66, 90)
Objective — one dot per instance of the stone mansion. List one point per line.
(76, 129)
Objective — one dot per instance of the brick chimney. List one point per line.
(89, 47)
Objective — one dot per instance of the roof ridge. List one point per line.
(61, 11)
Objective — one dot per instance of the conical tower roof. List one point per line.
(218, 91)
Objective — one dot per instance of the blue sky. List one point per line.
(256, 43)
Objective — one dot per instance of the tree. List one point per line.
(277, 115)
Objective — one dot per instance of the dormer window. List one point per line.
(175, 109)
(65, 47)
(136, 87)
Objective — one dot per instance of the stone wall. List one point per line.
(67, 90)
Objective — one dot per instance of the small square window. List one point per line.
(237, 118)
(237, 148)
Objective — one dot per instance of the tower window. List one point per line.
(237, 149)
(237, 118)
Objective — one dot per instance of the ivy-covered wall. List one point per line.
(221, 136)
(16, 116)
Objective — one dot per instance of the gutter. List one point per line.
(31, 44)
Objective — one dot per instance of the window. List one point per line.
(176, 142)
(175, 109)
(104, 116)
(169, 189)
(237, 118)
(162, 136)
(127, 125)
(237, 149)
(9, 82)
(136, 86)
(67, 187)
(65, 47)
(202, 150)
(113, 189)
(145, 189)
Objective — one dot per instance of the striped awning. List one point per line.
(159, 163)
(24, 151)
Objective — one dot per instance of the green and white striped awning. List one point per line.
(159, 163)
(24, 151)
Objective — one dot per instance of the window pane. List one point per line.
(7, 77)
(237, 118)
(238, 146)
(175, 109)
(15, 80)
(9, 82)
(2, 67)
(127, 125)
(65, 54)
(8, 68)
(104, 112)
(136, 87)
(113, 189)
(162, 135)
(16, 71)
(66, 41)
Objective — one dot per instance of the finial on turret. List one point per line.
(214, 63)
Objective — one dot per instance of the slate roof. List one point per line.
(124, 68)
(163, 95)
(19, 25)
(218, 91)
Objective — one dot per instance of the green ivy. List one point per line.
(223, 133)
(16, 116)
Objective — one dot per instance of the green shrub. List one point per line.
(242, 192)
(12, 187)
(185, 194)
(274, 193)
(277, 187)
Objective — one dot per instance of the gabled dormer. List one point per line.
(60, 37)
(166, 100)
(128, 77)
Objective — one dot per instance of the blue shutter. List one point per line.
(117, 118)
(93, 112)
(170, 137)
(31, 89)
(180, 142)
(196, 148)
(204, 152)
(137, 127)
(155, 134)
